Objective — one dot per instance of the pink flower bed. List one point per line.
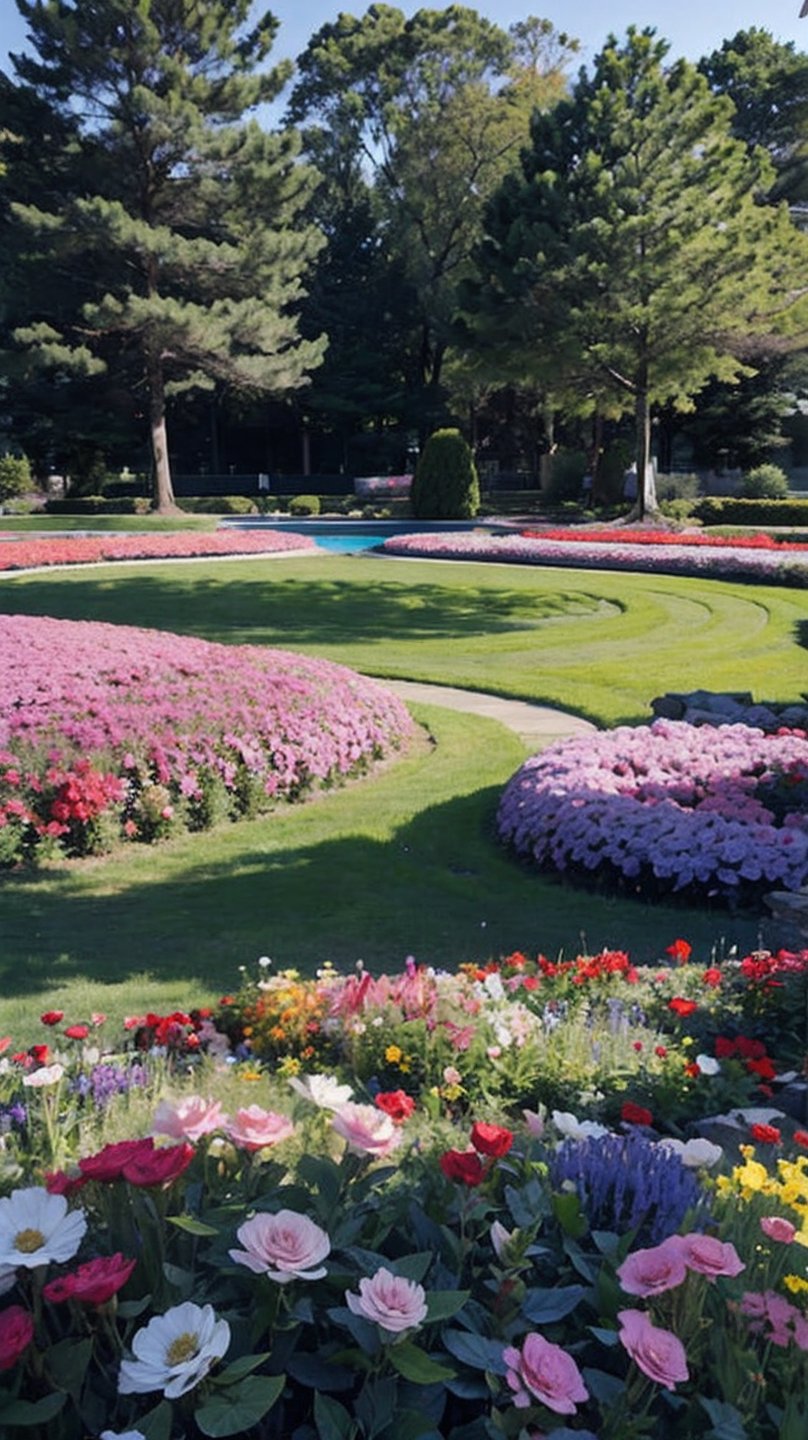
(669, 807)
(110, 731)
(665, 537)
(183, 545)
(779, 564)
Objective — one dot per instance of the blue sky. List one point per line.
(693, 27)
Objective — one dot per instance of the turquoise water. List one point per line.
(347, 537)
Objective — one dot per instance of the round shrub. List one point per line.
(765, 482)
(671, 807)
(15, 476)
(304, 505)
(445, 485)
(158, 732)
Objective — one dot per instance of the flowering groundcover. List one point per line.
(781, 564)
(336, 1259)
(111, 732)
(671, 807)
(31, 554)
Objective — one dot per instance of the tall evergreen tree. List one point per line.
(633, 252)
(190, 223)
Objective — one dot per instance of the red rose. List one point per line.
(77, 1032)
(750, 1049)
(492, 1140)
(462, 1165)
(763, 1068)
(397, 1104)
(158, 1166)
(58, 1182)
(801, 1138)
(724, 1047)
(680, 951)
(52, 1017)
(93, 1283)
(765, 1134)
(682, 1007)
(660, 1051)
(16, 1334)
(39, 1053)
(107, 1164)
(635, 1114)
(712, 977)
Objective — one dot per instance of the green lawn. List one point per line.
(407, 862)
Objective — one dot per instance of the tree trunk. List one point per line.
(646, 486)
(163, 488)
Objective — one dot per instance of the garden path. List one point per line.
(536, 725)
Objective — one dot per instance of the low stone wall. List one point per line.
(705, 707)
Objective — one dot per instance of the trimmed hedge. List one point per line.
(726, 510)
(100, 505)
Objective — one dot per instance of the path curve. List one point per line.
(536, 725)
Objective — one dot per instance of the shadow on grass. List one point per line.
(441, 889)
(269, 607)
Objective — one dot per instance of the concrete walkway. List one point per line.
(536, 725)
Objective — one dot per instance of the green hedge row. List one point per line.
(726, 510)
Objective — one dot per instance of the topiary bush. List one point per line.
(304, 505)
(15, 476)
(765, 482)
(445, 485)
(222, 505)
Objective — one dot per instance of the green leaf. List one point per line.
(476, 1351)
(31, 1412)
(415, 1365)
(130, 1309)
(66, 1364)
(323, 1176)
(726, 1421)
(412, 1425)
(236, 1409)
(156, 1423)
(441, 1304)
(568, 1213)
(413, 1267)
(191, 1226)
(332, 1419)
(237, 1369)
(543, 1307)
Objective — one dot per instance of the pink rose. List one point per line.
(16, 1334)
(711, 1257)
(366, 1129)
(544, 1372)
(189, 1119)
(651, 1272)
(776, 1227)
(253, 1128)
(285, 1247)
(658, 1353)
(390, 1301)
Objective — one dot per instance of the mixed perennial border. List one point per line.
(671, 807)
(775, 563)
(32, 554)
(109, 732)
(198, 1237)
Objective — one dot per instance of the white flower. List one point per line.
(534, 1122)
(501, 1239)
(45, 1075)
(36, 1227)
(8, 1275)
(174, 1351)
(708, 1065)
(324, 1091)
(494, 986)
(122, 1435)
(574, 1129)
(696, 1154)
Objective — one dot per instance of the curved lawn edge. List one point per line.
(703, 562)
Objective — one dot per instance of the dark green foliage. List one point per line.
(223, 505)
(719, 510)
(445, 485)
(304, 505)
(15, 476)
(765, 482)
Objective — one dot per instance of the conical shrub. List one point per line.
(446, 486)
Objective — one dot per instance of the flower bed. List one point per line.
(718, 812)
(93, 549)
(110, 732)
(268, 1251)
(778, 564)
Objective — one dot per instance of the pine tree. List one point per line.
(190, 218)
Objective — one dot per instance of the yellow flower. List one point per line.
(289, 1066)
(249, 1075)
(452, 1092)
(392, 1054)
(795, 1284)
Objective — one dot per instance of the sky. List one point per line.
(693, 27)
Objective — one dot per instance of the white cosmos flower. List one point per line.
(695, 1153)
(8, 1275)
(45, 1075)
(174, 1351)
(36, 1227)
(324, 1091)
(574, 1129)
(708, 1064)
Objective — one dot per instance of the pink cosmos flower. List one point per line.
(711, 1257)
(658, 1353)
(543, 1371)
(188, 1119)
(389, 1301)
(776, 1227)
(652, 1271)
(367, 1130)
(16, 1334)
(253, 1128)
(285, 1247)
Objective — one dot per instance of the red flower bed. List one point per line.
(664, 537)
(184, 545)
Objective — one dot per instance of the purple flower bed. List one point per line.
(108, 731)
(720, 561)
(670, 807)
